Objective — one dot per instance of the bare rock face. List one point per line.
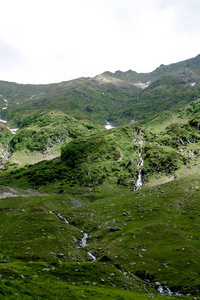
(187, 75)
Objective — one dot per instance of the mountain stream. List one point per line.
(13, 130)
(84, 239)
(139, 181)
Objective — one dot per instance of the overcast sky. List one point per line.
(45, 41)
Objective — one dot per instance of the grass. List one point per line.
(141, 237)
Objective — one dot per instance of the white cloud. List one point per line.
(56, 40)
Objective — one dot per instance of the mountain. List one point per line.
(188, 69)
(93, 213)
(118, 97)
(94, 98)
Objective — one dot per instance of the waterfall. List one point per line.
(62, 218)
(84, 243)
(84, 238)
(139, 181)
(13, 130)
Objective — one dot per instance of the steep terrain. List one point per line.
(100, 213)
(94, 98)
(188, 69)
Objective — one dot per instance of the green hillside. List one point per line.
(119, 97)
(94, 99)
(167, 94)
(93, 213)
(139, 240)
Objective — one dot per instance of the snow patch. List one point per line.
(109, 126)
(13, 130)
(142, 85)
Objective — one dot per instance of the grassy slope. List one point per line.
(107, 156)
(111, 157)
(41, 135)
(152, 233)
(39, 255)
(82, 98)
(166, 95)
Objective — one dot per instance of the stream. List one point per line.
(139, 181)
(84, 239)
(13, 130)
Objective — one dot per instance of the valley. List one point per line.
(100, 186)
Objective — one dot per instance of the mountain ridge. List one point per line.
(160, 71)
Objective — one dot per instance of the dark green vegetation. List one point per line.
(111, 157)
(86, 175)
(83, 98)
(42, 132)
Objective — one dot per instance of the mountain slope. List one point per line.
(89, 229)
(188, 69)
(167, 94)
(94, 99)
(112, 158)
(119, 97)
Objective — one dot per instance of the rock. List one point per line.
(138, 254)
(112, 284)
(60, 255)
(164, 265)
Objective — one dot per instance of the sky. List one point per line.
(48, 41)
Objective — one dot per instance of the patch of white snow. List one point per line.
(109, 126)
(13, 130)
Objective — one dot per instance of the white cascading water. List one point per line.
(62, 218)
(84, 243)
(84, 238)
(164, 291)
(139, 181)
(13, 130)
